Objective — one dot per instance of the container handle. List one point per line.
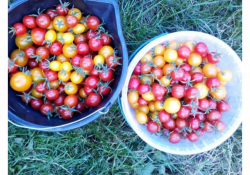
(46, 128)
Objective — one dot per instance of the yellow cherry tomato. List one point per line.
(159, 50)
(23, 41)
(148, 96)
(133, 97)
(36, 94)
(151, 106)
(37, 75)
(79, 28)
(209, 70)
(64, 76)
(194, 59)
(203, 90)
(71, 88)
(190, 45)
(66, 66)
(59, 24)
(141, 117)
(219, 93)
(135, 105)
(75, 12)
(196, 69)
(55, 65)
(59, 37)
(76, 77)
(173, 45)
(225, 75)
(20, 82)
(146, 58)
(144, 109)
(62, 58)
(68, 38)
(159, 61)
(98, 59)
(54, 84)
(19, 57)
(172, 105)
(82, 94)
(69, 50)
(179, 61)
(159, 105)
(170, 55)
(167, 69)
(50, 36)
(105, 51)
(165, 80)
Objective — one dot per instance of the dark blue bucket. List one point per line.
(27, 117)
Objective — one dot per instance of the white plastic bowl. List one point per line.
(232, 118)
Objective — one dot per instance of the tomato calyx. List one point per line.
(27, 97)
(79, 71)
(38, 13)
(65, 107)
(64, 5)
(12, 30)
(103, 86)
(74, 13)
(60, 39)
(59, 23)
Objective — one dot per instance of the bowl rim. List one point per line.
(155, 41)
(97, 113)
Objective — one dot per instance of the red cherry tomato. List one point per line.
(71, 101)
(175, 137)
(152, 126)
(41, 87)
(94, 72)
(169, 124)
(38, 35)
(52, 94)
(112, 61)
(181, 123)
(32, 63)
(134, 83)
(87, 90)
(185, 66)
(201, 117)
(164, 116)
(75, 60)
(106, 39)
(213, 82)
(55, 48)
(145, 68)
(82, 48)
(186, 77)
(29, 21)
(46, 108)
(104, 90)
(192, 92)
(212, 104)
(137, 69)
(44, 65)
(143, 88)
(62, 9)
(193, 137)
(30, 51)
(142, 102)
(197, 77)
(51, 75)
(51, 13)
(201, 48)
(178, 91)
(66, 114)
(92, 22)
(177, 75)
(18, 29)
(36, 103)
(92, 100)
(95, 44)
(87, 63)
(159, 98)
(43, 52)
(106, 76)
(220, 126)
(71, 21)
(194, 123)
(43, 21)
(81, 38)
(92, 81)
(223, 106)
(91, 34)
(214, 115)
(203, 104)
(184, 52)
(213, 57)
(158, 90)
(183, 112)
(60, 100)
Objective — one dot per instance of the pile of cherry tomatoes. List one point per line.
(64, 61)
(178, 91)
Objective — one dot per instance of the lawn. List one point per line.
(108, 145)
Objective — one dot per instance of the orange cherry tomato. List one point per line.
(209, 70)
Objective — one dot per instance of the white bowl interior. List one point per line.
(232, 118)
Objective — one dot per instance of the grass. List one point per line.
(108, 145)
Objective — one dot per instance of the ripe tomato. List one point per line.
(71, 88)
(142, 102)
(66, 66)
(172, 105)
(220, 93)
(75, 12)
(213, 82)
(60, 100)
(19, 57)
(36, 103)
(145, 68)
(23, 41)
(71, 21)
(209, 70)
(197, 77)
(173, 45)
(181, 123)
(55, 48)
(55, 65)
(43, 21)
(40, 87)
(175, 137)
(68, 38)
(208, 127)
(194, 123)
(71, 101)
(143, 88)
(81, 38)
(62, 58)
(75, 61)
(143, 109)
(82, 48)
(87, 63)
(225, 75)
(88, 90)
(69, 50)
(38, 35)
(159, 50)
(99, 60)
(177, 75)
(106, 51)
(183, 112)
(179, 61)
(170, 55)
(184, 52)
(79, 28)
(190, 45)
(59, 24)
(32, 64)
(213, 57)
(20, 82)
(158, 73)
(50, 36)
(170, 124)
(36, 94)
(52, 94)
(158, 90)
(30, 51)
(76, 77)
(82, 94)
(152, 127)
(149, 96)
(51, 13)
(146, 58)
(62, 8)
(92, 100)
(112, 61)
(178, 91)
(159, 105)
(151, 106)
(92, 81)
(192, 92)
(42, 52)
(193, 137)
(18, 29)
(93, 22)
(220, 126)
(106, 39)
(46, 109)
(29, 21)
(51, 75)
(201, 48)
(134, 83)
(167, 69)
(223, 106)
(203, 104)
(95, 44)
(214, 115)
(37, 75)
(203, 90)
(137, 69)
(106, 75)
(159, 61)
(104, 90)
(165, 80)
(164, 116)
(212, 103)
(64, 76)
(194, 59)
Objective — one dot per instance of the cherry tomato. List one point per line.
(29, 21)
(23, 41)
(167, 69)
(158, 90)
(46, 108)
(144, 109)
(201, 48)
(71, 88)
(99, 60)
(181, 123)
(30, 51)
(106, 76)
(208, 127)
(194, 59)
(51, 13)
(80, 107)
(42, 52)
(62, 9)
(173, 45)
(137, 69)
(213, 57)
(79, 28)
(91, 34)
(106, 51)
(164, 116)
(183, 112)
(225, 75)
(59, 24)
(170, 55)
(92, 100)
(133, 97)
(149, 96)
(32, 64)
(43, 21)
(209, 70)
(177, 75)
(93, 22)
(203, 104)
(40, 87)
(95, 44)
(37, 75)
(68, 38)
(52, 94)
(62, 58)
(134, 83)
(87, 90)
(106, 39)
(71, 101)
(159, 50)
(82, 48)
(92, 81)
(184, 52)
(194, 123)
(69, 50)
(197, 77)
(159, 61)
(36, 103)
(213, 82)
(71, 21)
(220, 126)
(55, 48)
(192, 92)
(75, 12)
(81, 38)
(172, 105)
(175, 137)
(169, 124)
(20, 82)
(146, 58)
(219, 93)
(193, 137)
(18, 29)
(19, 57)
(143, 88)
(152, 127)
(214, 115)
(38, 35)
(145, 68)
(178, 91)
(203, 90)
(223, 106)
(87, 63)
(186, 67)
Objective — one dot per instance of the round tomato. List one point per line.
(19, 57)
(99, 60)
(106, 51)
(95, 44)
(46, 109)
(51, 75)
(71, 88)
(183, 112)
(71, 21)
(79, 28)
(18, 29)
(40, 87)
(69, 50)
(37, 75)
(214, 115)
(81, 38)
(20, 82)
(82, 48)
(141, 118)
(184, 52)
(203, 90)
(43, 21)
(30, 51)
(223, 106)
(87, 63)
(192, 137)
(194, 59)
(52, 13)
(219, 93)
(55, 48)
(29, 21)
(82, 94)
(38, 35)
(220, 126)
(106, 75)
(201, 48)
(52, 94)
(133, 97)
(59, 24)
(36, 103)
(62, 8)
(92, 100)
(172, 105)
(175, 137)
(209, 70)
(170, 55)
(167, 69)
(75, 12)
(76, 78)
(23, 41)
(178, 91)
(92, 22)
(225, 75)
(152, 127)
(148, 96)
(36, 94)
(62, 58)
(71, 101)
(106, 39)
